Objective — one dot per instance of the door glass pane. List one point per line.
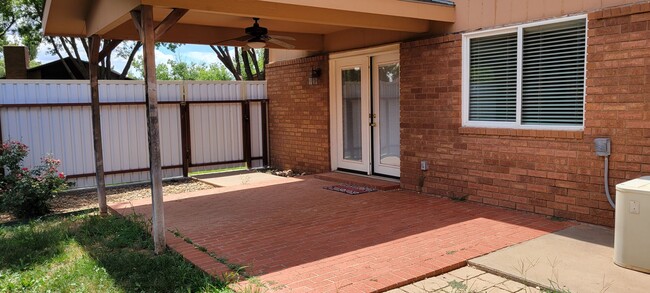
(351, 79)
(389, 114)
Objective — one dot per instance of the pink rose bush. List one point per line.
(26, 192)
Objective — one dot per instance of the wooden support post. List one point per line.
(246, 132)
(151, 89)
(144, 24)
(93, 68)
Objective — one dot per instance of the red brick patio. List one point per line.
(307, 239)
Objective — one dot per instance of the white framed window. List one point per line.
(530, 76)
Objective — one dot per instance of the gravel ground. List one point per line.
(84, 199)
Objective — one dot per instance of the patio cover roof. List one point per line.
(214, 21)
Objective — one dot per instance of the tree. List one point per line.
(14, 20)
(243, 63)
(8, 17)
(181, 70)
(17, 19)
(28, 24)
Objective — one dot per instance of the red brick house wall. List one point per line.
(554, 173)
(299, 115)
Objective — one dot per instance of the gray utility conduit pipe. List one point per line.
(609, 196)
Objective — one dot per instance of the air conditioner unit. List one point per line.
(632, 227)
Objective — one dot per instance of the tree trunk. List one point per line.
(129, 61)
(247, 65)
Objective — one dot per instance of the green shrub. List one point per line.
(27, 192)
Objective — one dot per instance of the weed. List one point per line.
(458, 287)
(236, 269)
(557, 219)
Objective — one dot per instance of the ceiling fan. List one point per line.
(257, 36)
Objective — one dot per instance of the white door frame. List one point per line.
(343, 60)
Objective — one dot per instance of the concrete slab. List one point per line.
(579, 257)
(237, 178)
(466, 279)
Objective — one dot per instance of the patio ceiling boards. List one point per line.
(316, 25)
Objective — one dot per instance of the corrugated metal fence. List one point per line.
(203, 125)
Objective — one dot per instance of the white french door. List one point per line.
(385, 114)
(353, 136)
(365, 113)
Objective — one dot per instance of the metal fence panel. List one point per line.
(53, 117)
(216, 133)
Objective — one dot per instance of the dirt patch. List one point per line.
(85, 199)
(77, 200)
(287, 173)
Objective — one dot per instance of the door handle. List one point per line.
(372, 124)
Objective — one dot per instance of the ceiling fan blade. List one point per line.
(286, 38)
(281, 43)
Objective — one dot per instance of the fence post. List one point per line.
(2, 139)
(184, 109)
(246, 132)
(265, 130)
(185, 142)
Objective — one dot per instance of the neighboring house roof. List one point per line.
(442, 2)
(56, 70)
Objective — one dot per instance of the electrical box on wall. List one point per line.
(603, 146)
(424, 165)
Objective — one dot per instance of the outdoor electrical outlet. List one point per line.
(424, 165)
(635, 207)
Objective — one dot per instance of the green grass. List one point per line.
(217, 171)
(88, 253)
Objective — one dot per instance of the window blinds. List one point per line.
(553, 69)
(493, 78)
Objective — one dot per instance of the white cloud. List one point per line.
(43, 56)
(201, 57)
(162, 57)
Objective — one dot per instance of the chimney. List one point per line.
(16, 62)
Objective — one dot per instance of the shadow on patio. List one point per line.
(305, 238)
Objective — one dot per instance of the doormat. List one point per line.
(350, 189)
